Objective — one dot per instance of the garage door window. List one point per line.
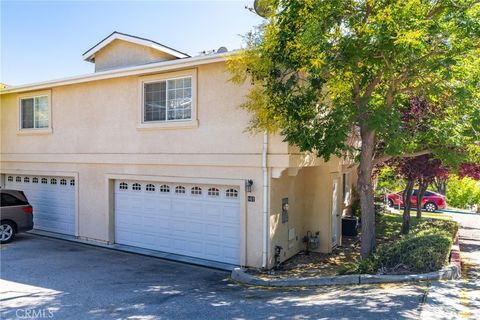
(44, 180)
(123, 186)
(35, 180)
(164, 188)
(196, 191)
(180, 190)
(213, 192)
(26, 179)
(231, 193)
(136, 187)
(150, 188)
(53, 181)
(72, 182)
(18, 179)
(10, 178)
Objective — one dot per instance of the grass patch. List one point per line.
(425, 249)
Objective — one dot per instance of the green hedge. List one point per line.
(425, 249)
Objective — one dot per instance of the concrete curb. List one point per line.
(448, 273)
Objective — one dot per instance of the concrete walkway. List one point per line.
(459, 299)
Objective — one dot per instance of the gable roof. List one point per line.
(89, 55)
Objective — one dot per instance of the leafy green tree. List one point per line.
(327, 71)
(462, 192)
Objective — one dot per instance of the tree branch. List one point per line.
(405, 155)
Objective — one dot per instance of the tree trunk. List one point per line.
(422, 187)
(441, 185)
(365, 190)
(407, 203)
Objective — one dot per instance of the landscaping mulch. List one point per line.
(314, 264)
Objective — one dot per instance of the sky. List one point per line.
(42, 41)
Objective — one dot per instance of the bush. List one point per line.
(462, 193)
(436, 224)
(423, 252)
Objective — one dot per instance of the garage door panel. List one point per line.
(52, 199)
(201, 221)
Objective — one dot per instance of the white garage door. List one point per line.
(52, 199)
(201, 221)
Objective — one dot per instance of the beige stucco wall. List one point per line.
(97, 134)
(121, 53)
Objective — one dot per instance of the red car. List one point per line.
(431, 201)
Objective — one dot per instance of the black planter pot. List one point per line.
(350, 226)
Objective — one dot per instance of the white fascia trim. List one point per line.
(124, 72)
(91, 53)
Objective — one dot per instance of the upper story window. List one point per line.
(34, 113)
(167, 100)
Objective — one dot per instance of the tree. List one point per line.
(324, 70)
(422, 171)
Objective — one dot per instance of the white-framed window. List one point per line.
(10, 178)
(18, 179)
(44, 180)
(164, 188)
(26, 179)
(231, 193)
(72, 182)
(180, 189)
(150, 187)
(53, 181)
(35, 112)
(167, 100)
(123, 186)
(63, 182)
(35, 180)
(213, 192)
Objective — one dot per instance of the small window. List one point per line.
(34, 113)
(196, 190)
(231, 193)
(10, 178)
(53, 181)
(137, 187)
(168, 100)
(44, 180)
(180, 189)
(123, 186)
(72, 182)
(63, 182)
(18, 179)
(35, 180)
(164, 188)
(213, 192)
(26, 179)
(150, 187)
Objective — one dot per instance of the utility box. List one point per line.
(350, 226)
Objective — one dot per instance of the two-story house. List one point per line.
(150, 151)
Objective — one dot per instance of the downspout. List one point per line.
(266, 230)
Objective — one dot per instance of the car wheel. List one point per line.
(7, 232)
(430, 207)
(390, 202)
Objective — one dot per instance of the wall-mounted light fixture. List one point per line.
(248, 185)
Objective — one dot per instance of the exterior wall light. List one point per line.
(248, 185)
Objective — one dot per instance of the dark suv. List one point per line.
(16, 214)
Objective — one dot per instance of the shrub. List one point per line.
(436, 224)
(423, 252)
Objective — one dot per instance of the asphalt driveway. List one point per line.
(45, 278)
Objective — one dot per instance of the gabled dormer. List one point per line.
(120, 50)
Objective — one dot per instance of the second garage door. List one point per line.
(201, 221)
